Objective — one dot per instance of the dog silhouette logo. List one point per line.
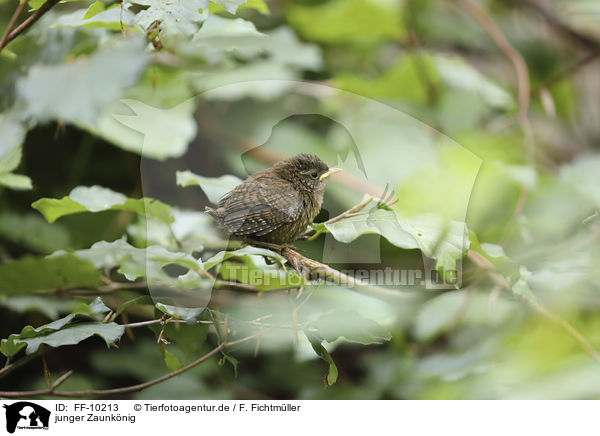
(26, 415)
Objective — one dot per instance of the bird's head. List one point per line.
(306, 171)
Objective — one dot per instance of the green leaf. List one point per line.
(440, 239)
(71, 335)
(171, 361)
(141, 300)
(176, 17)
(189, 314)
(254, 271)
(81, 89)
(402, 81)
(317, 345)
(60, 272)
(50, 307)
(165, 132)
(258, 5)
(242, 252)
(113, 18)
(455, 72)
(94, 9)
(12, 134)
(213, 187)
(16, 181)
(32, 231)
(98, 199)
(136, 262)
(64, 332)
(341, 21)
(350, 326)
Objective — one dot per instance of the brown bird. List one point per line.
(275, 205)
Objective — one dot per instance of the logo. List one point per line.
(26, 415)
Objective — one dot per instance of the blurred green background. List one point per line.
(482, 116)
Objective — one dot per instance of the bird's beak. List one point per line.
(329, 172)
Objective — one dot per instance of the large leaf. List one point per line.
(213, 187)
(341, 21)
(164, 132)
(32, 231)
(98, 199)
(60, 272)
(80, 89)
(64, 331)
(136, 262)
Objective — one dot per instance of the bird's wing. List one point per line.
(254, 207)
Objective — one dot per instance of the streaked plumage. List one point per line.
(277, 204)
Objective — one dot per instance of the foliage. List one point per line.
(455, 257)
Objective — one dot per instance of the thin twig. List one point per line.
(29, 21)
(124, 390)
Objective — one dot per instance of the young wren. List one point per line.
(277, 204)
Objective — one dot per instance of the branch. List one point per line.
(11, 23)
(325, 272)
(124, 390)
(29, 22)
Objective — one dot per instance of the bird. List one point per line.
(274, 206)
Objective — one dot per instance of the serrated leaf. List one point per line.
(61, 272)
(213, 187)
(71, 98)
(71, 335)
(177, 17)
(135, 262)
(440, 239)
(98, 199)
(63, 332)
(50, 307)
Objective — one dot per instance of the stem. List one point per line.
(29, 21)
(124, 390)
(11, 23)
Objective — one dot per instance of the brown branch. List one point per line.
(515, 58)
(11, 23)
(30, 21)
(124, 390)
(17, 364)
(325, 272)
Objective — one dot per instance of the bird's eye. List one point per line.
(314, 174)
